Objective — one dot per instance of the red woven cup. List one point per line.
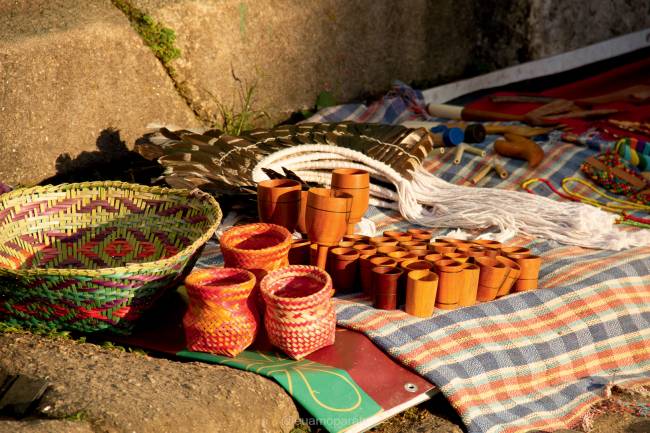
(222, 317)
(299, 317)
(258, 247)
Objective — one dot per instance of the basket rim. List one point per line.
(231, 231)
(130, 268)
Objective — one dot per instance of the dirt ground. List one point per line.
(107, 389)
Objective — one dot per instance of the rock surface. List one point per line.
(70, 69)
(113, 391)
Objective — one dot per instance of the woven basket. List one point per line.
(258, 247)
(222, 317)
(95, 256)
(299, 317)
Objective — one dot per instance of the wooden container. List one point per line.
(356, 183)
(469, 290)
(383, 261)
(395, 234)
(313, 254)
(492, 248)
(420, 254)
(278, 202)
(459, 257)
(450, 282)
(415, 265)
(385, 286)
(474, 252)
(387, 249)
(433, 258)
(357, 238)
(512, 277)
(453, 241)
(365, 272)
(506, 251)
(528, 278)
(379, 240)
(413, 245)
(301, 225)
(327, 217)
(389, 243)
(421, 292)
(403, 239)
(346, 244)
(365, 249)
(343, 267)
(400, 256)
(420, 235)
(493, 276)
(442, 247)
(299, 252)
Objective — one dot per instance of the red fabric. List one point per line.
(606, 82)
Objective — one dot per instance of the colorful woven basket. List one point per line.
(299, 317)
(258, 247)
(222, 317)
(95, 256)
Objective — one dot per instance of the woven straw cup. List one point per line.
(299, 317)
(258, 247)
(222, 317)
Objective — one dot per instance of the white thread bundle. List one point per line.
(430, 201)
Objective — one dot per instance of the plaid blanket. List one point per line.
(532, 360)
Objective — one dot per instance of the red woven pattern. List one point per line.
(299, 316)
(222, 317)
(259, 247)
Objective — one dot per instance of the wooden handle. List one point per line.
(472, 114)
(321, 260)
(515, 146)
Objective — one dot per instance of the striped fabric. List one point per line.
(533, 360)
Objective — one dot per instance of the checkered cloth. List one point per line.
(532, 360)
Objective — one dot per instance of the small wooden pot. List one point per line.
(385, 286)
(299, 252)
(474, 252)
(383, 261)
(413, 245)
(433, 258)
(395, 234)
(357, 238)
(415, 265)
(389, 243)
(301, 225)
(365, 249)
(346, 244)
(356, 183)
(343, 265)
(420, 234)
(469, 290)
(506, 251)
(421, 292)
(379, 240)
(365, 272)
(420, 254)
(513, 275)
(387, 249)
(327, 216)
(450, 282)
(459, 257)
(492, 277)
(400, 256)
(441, 247)
(403, 239)
(528, 278)
(278, 202)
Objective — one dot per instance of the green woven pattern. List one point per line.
(95, 256)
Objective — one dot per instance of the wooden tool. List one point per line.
(464, 113)
(327, 216)
(518, 147)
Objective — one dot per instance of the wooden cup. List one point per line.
(327, 217)
(356, 183)
(420, 234)
(395, 234)
(413, 245)
(469, 290)
(301, 225)
(278, 202)
(387, 249)
(346, 244)
(365, 249)
(343, 265)
(451, 280)
(400, 256)
(433, 258)
(379, 240)
(421, 292)
(385, 286)
(365, 272)
(506, 251)
(357, 238)
(442, 247)
(459, 257)
(492, 277)
(529, 275)
(420, 254)
(511, 279)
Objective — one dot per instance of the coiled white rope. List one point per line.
(430, 201)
